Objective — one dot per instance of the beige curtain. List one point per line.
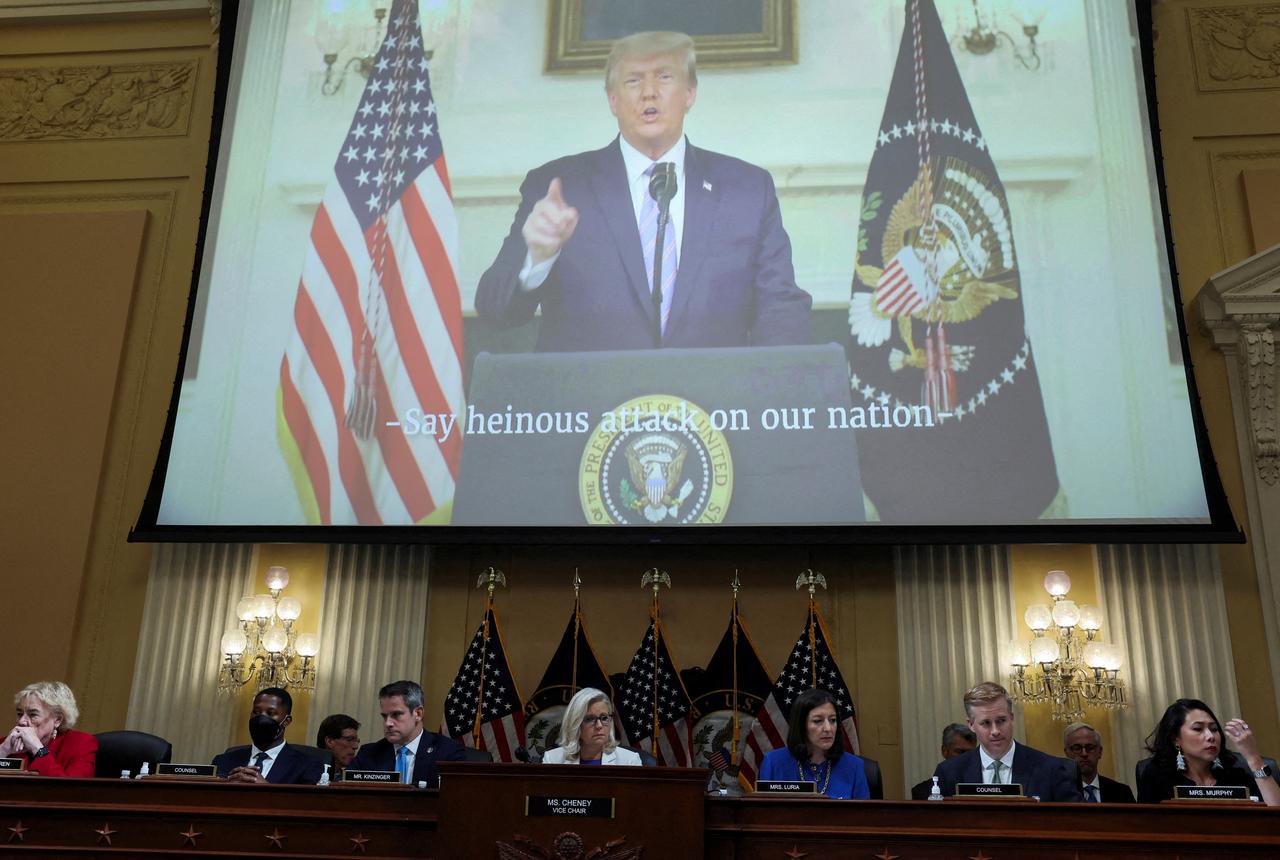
(373, 630)
(955, 618)
(191, 600)
(1165, 607)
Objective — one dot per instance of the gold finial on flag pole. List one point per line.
(655, 579)
(577, 584)
(491, 578)
(813, 579)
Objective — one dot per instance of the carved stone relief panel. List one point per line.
(1231, 208)
(1236, 48)
(97, 102)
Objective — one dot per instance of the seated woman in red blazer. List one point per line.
(44, 737)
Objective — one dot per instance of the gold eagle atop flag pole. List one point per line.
(813, 579)
(490, 577)
(655, 579)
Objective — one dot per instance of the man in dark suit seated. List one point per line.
(269, 758)
(406, 746)
(583, 239)
(1083, 745)
(998, 759)
(957, 739)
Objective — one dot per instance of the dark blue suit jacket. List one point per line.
(735, 285)
(290, 767)
(1047, 777)
(381, 755)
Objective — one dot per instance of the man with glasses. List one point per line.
(1083, 745)
(340, 735)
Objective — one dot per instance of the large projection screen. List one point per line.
(919, 285)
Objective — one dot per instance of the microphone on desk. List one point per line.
(662, 188)
(522, 754)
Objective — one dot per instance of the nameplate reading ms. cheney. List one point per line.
(1211, 792)
(988, 789)
(568, 807)
(166, 768)
(786, 786)
(380, 776)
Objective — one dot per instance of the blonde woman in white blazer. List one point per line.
(587, 733)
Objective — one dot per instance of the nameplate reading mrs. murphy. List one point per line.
(166, 768)
(1211, 792)
(538, 806)
(988, 789)
(388, 777)
(786, 786)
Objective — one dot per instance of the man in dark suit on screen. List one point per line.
(269, 759)
(582, 242)
(1083, 745)
(998, 759)
(406, 746)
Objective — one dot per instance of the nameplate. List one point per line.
(383, 777)
(786, 786)
(568, 806)
(987, 789)
(1211, 792)
(11, 764)
(203, 771)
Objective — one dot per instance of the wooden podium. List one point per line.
(569, 811)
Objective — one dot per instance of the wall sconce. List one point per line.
(984, 36)
(265, 645)
(348, 34)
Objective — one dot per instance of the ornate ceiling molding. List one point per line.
(1236, 48)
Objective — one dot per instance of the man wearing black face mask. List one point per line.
(269, 758)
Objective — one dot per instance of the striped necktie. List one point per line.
(649, 239)
(1091, 793)
(996, 772)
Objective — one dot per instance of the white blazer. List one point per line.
(618, 756)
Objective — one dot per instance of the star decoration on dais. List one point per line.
(18, 831)
(885, 855)
(276, 838)
(358, 842)
(105, 833)
(795, 853)
(190, 835)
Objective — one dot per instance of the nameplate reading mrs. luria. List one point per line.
(166, 768)
(568, 807)
(383, 777)
(1211, 792)
(786, 786)
(988, 789)
(11, 763)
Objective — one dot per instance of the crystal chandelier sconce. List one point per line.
(985, 35)
(1066, 664)
(348, 34)
(265, 646)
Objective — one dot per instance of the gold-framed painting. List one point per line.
(725, 32)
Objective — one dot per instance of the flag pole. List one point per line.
(577, 626)
(655, 578)
(737, 722)
(491, 578)
(812, 579)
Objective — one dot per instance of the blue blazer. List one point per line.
(848, 776)
(290, 767)
(381, 755)
(735, 285)
(1047, 777)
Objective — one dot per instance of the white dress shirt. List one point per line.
(267, 762)
(410, 756)
(636, 163)
(1006, 764)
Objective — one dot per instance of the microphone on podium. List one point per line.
(662, 188)
(522, 754)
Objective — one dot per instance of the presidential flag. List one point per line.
(735, 682)
(483, 708)
(377, 322)
(652, 702)
(574, 665)
(811, 664)
(937, 332)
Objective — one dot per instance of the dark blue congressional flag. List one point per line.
(574, 665)
(735, 678)
(936, 314)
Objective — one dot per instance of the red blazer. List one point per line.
(71, 753)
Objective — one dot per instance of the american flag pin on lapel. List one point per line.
(706, 186)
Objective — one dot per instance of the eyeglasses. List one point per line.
(1082, 748)
(601, 719)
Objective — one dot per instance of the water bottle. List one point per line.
(935, 793)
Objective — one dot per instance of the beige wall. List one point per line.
(1221, 152)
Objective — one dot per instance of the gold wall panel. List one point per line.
(127, 100)
(1236, 48)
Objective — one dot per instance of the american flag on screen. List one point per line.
(652, 686)
(811, 664)
(484, 693)
(378, 318)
